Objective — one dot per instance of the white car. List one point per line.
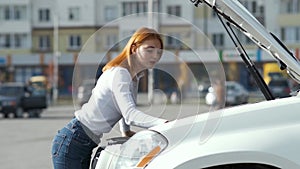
(261, 135)
(255, 136)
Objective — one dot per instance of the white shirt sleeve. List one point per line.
(123, 126)
(124, 101)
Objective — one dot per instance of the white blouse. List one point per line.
(113, 98)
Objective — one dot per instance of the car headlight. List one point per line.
(140, 149)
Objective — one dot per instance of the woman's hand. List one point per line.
(128, 133)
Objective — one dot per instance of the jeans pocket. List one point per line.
(57, 144)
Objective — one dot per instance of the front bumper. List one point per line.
(8, 109)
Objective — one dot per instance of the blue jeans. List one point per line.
(72, 148)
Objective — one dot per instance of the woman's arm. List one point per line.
(123, 99)
(125, 129)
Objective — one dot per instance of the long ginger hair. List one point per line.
(134, 42)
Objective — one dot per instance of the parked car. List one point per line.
(17, 98)
(263, 135)
(235, 94)
(10, 99)
(85, 91)
(280, 87)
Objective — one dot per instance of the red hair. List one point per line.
(134, 42)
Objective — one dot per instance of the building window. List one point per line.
(5, 41)
(111, 41)
(218, 39)
(110, 13)
(290, 34)
(137, 7)
(74, 14)
(13, 12)
(19, 12)
(44, 15)
(7, 13)
(290, 6)
(2, 41)
(18, 40)
(44, 42)
(74, 42)
(256, 8)
(173, 41)
(13, 40)
(174, 10)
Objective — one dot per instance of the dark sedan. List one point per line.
(280, 88)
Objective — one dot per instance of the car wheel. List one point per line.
(35, 113)
(18, 113)
(6, 115)
(245, 101)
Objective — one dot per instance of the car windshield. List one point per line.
(278, 83)
(10, 91)
(275, 75)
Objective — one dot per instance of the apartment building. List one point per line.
(86, 34)
(15, 34)
(15, 29)
(289, 23)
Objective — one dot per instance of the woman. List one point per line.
(113, 99)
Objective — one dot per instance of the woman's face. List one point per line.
(148, 54)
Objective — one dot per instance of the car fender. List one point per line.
(250, 147)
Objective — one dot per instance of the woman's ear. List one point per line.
(133, 49)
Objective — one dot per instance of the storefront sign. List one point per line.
(233, 55)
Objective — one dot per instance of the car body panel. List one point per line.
(253, 133)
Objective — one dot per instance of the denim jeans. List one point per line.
(72, 148)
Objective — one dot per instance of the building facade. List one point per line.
(83, 35)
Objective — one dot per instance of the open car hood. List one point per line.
(235, 13)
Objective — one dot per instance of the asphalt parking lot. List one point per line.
(26, 143)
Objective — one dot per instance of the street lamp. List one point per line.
(56, 53)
